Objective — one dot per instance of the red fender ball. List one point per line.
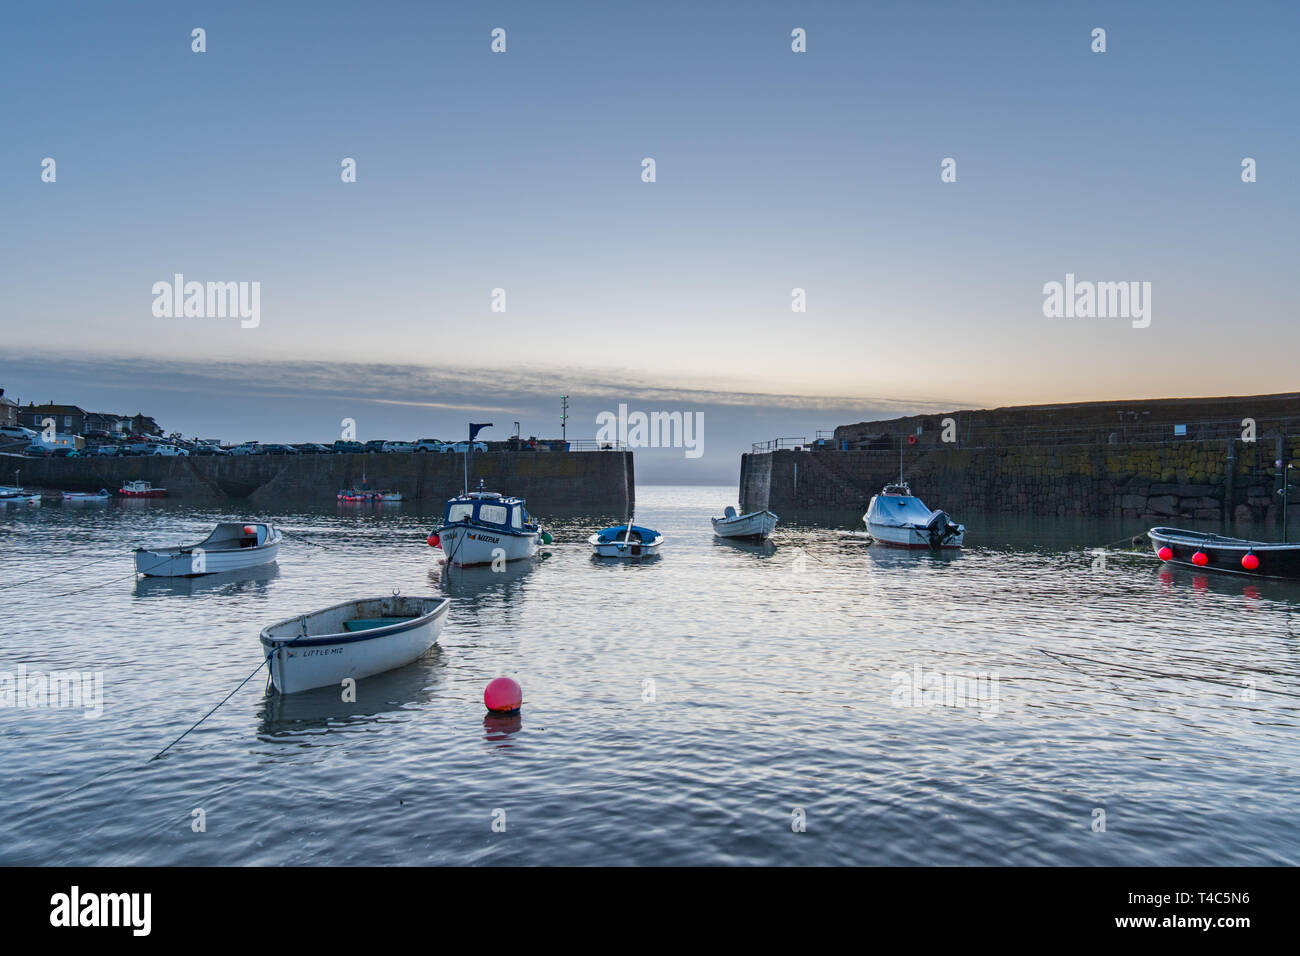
(503, 696)
(1249, 562)
(434, 541)
(1165, 553)
(1200, 559)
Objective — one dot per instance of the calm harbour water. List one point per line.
(781, 677)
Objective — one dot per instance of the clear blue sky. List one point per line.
(775, 170)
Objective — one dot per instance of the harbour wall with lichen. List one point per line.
(1214, 479)
(596, 481)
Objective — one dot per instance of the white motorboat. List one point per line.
(354, 639)
(626, 541)
(230, 547)
(754, 526)
(482, 527)
(100, 495)
(19, 496)
(898, 518)
(389, 497)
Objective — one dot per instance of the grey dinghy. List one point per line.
(755, 526)
(232, 546)
(353, 639)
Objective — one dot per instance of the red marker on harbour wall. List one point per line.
(503, 696)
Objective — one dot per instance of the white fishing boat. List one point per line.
(898, 518)
(19, 496)
(390, 496)
(626, 541)
(101, 495)
(754, 526)
(354, 639)
(482, 527)
(230, 547)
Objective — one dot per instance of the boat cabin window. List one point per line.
(459, 512)
(516, 518)
(492, 514)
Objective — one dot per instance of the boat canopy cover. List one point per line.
(488, 508)
(898, 511)
(619, 532)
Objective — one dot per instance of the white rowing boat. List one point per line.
(754, 526)
(231, 546)
(101, 495)
(354, 639)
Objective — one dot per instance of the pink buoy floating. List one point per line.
(503, 696)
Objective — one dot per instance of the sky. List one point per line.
(522, 171)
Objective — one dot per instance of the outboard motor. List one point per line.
(940, 528)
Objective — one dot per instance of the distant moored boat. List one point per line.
(231, 546)
(754, 526)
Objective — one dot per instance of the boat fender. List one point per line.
(1200, 559)
(1249, 561)
(546, 537)
(434, 541)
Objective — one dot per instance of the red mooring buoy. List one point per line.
(434, 541)
(1165, 553)
(1249, 561)
(1200, 559)
(503, 696)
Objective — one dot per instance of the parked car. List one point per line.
(107, 451)
(65, 452)
(17, 432)
(400, 446)
(36, 451)
(206, 448)
(247, 448)
(463, 446)
(312, 448)
(274, 449)
(342, 447)
(162, 450)
(376, 446)
(432, 444)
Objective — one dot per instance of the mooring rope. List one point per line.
(223, 700)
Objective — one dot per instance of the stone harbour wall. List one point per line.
(601, 481)
(1220, 479)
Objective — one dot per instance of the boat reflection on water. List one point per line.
(900, 559)
(290, 717)
(1252, 589)
(251, 580)
(759, 549)
(629, 562)
(474, 587)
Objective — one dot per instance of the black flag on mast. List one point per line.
(475, 429)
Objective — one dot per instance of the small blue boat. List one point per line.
(626, 541)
